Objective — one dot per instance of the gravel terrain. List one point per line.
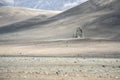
(59, 68)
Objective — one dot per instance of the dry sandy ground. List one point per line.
(63, 60)
(80, 48)
(55, 68)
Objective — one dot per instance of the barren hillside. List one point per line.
(97, 19)
(10, 15)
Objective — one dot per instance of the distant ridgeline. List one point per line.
(43, 4)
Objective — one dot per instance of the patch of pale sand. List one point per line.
(61, 49)
(56, 77)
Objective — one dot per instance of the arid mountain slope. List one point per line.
(9, 15)
(92, 19)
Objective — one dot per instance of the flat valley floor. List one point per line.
(55, 68)
(60, 60)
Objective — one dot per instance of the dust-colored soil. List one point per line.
(63, 60)
(69, 48)
(51, 68)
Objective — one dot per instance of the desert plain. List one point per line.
(81, 43)
(60, 60)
